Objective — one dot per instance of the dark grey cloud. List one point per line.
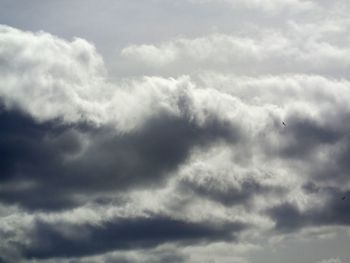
(39, 155)
(229, 196)
(148, 257)
(162, 257)
(335, 211)
(302, 139)
(33, 153)
(336, 169)
(303, 136)
(171, 258)
(68, 240)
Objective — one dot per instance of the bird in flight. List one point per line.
(284, 123)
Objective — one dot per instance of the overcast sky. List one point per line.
(151, 131)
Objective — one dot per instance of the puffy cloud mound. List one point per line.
(49, 77)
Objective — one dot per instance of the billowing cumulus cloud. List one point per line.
(211, 148)
(61, 78)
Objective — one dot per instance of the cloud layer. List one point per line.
(223, 143)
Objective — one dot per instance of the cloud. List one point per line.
(72, 87)
(85, 158)
(295, 48)
(47, 76)
(266, 5)
(331, 260)
(47, 241)
(52, 160)
(219, 175)
(157, 257)
(334, 211)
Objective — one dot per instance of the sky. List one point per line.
(189, 131)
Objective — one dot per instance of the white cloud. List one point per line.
(266, 5)
(331, 260)
(49, 77)
(317, 47)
